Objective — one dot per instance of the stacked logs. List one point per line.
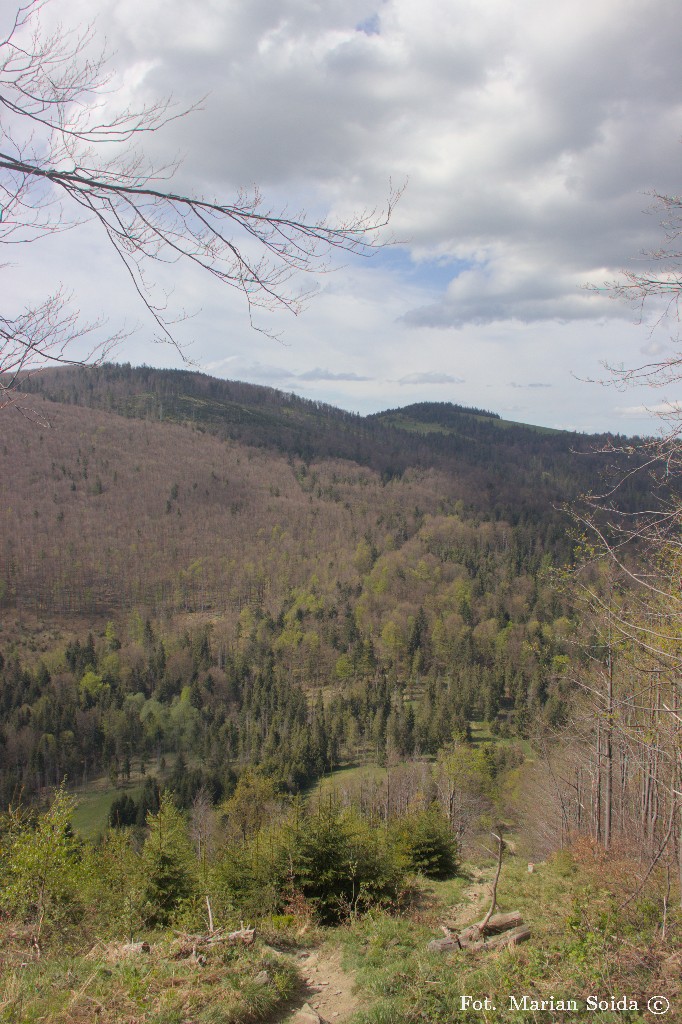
(496, 932)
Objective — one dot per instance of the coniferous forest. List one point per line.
(267, 663)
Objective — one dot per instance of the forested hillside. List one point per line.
(238, 578)
(499, 468)
(301, 660)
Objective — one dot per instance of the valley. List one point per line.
(262, 660)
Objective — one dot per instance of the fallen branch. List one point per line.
(245, 935)
(491, 926)
(191, 945)
(500, 930)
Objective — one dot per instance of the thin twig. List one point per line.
(493, 904)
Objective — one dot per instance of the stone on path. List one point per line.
(306, 1015)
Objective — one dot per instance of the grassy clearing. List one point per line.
(580, 946)
(481, 734)
(167, 985)
(414, 426)
(91, 816)
(351, 779)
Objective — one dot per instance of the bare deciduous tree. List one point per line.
(644, 542)
(636, 646)
(66, 157)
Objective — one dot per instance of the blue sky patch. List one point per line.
(434, 275)
(370, 26)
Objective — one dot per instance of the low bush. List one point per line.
(426, 843)
(340, 864)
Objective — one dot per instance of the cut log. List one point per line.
(502, 923)
(500, 930)
(512, 938)
(517, 936)
(444, 945)
(497, 923)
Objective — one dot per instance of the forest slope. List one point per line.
(503, 468)
(414, 599)
(212, 595)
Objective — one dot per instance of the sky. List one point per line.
(528, 137)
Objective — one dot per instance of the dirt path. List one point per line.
(327, 990)
(475, 900)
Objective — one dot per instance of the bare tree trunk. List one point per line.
(608, 796)
(679, 824)
(597, 796)
(623, 777)
(678, 777)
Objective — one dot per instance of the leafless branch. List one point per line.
(67, 157)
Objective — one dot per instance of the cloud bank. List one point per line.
(529, 135)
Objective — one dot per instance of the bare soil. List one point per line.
(326, 988)
(475, 901)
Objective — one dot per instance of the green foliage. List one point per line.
(339, 863)
(251, 804)
(91, 688)
(426, 843)
(41, 867)
(123, 811)
(168, 864)
(250, 880)
(115, 886)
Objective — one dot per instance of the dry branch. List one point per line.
(191, 945)
(492, 932)
(245, 935)
(493, 902)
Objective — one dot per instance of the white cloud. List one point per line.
(662, 409)
(430, 378)
(530, 133)
(318, 375)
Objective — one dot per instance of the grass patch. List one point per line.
(349, 779)
(580, 945)
(416, 426)
(91, 815)
(482, 735)
(226, 985)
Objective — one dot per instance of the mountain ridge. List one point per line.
(440, 435)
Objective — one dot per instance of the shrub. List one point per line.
(339, 864)
(168, 864)
(115, 885)
(426, 843)
(247, 880)
(123, 812)
(42, 870)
